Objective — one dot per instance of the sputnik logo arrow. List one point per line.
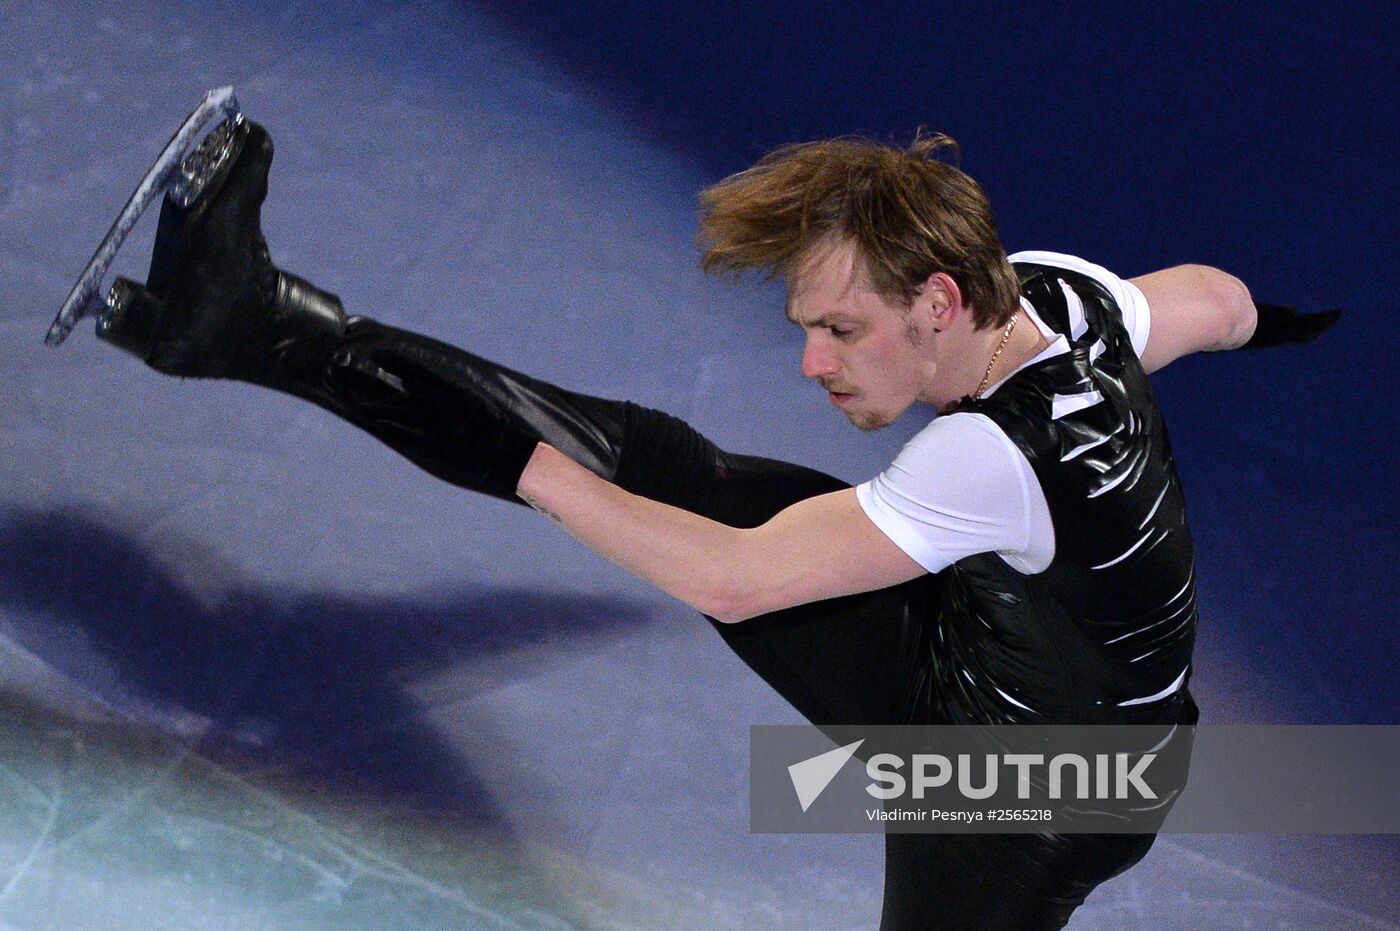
(811, 777)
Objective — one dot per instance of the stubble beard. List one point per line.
(868, 421)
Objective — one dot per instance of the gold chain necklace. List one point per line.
(996, 355)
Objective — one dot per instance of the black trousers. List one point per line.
(861, 659)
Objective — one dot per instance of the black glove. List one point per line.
(1280, 326)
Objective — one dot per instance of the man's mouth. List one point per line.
(839, 397)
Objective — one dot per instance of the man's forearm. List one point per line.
(819, 547)
(683, 554)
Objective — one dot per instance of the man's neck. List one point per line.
(1023, 344)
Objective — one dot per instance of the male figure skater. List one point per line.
(1025, 559)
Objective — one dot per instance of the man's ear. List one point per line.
(941, 299)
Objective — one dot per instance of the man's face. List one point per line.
(866, 351)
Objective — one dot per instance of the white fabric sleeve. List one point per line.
(1137, 318)
(958, 488)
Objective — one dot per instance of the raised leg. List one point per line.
(215, 306)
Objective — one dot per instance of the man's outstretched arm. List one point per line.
(819, 548)
(1194, 308)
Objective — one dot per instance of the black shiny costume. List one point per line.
(1104, 634)
(1100, 637)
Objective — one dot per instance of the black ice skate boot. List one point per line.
(215, 306)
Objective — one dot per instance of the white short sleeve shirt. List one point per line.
(961, 487)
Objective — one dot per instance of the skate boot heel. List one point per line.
(200, 177)
(129, 317)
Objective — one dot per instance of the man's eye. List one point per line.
(840, 331)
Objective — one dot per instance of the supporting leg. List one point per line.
(991, 882)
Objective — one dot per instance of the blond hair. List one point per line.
(909, 214)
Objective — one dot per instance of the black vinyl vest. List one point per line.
(1104, 634)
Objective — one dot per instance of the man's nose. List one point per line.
(817, 358)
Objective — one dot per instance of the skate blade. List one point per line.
(183, 170)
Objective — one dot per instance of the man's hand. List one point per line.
(1282, 326)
